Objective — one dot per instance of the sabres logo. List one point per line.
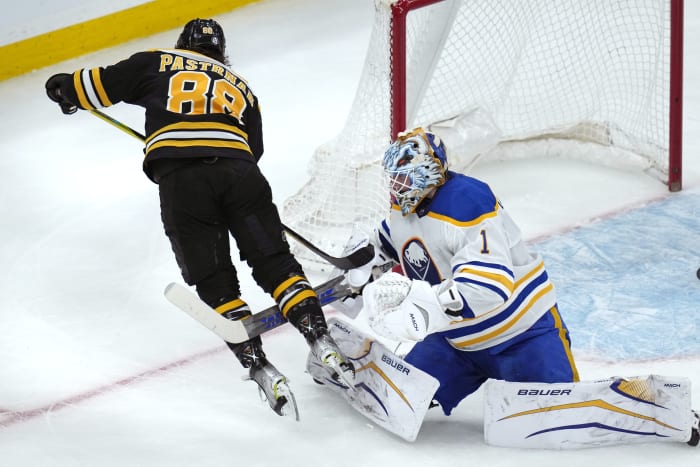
(417, 262)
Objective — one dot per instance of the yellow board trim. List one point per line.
(106, 31)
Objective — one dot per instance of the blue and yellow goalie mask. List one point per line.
(415, 164)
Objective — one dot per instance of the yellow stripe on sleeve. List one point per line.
(504, 281)
(80, 91)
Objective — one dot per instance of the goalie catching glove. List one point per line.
(402, 309)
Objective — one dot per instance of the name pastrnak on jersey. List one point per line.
(465, 234)
(195, 105)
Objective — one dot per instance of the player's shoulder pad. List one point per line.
(463, 200)
(144, 57)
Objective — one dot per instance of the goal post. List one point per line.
(594, 79)
(675, 111)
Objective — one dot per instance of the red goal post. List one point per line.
(594, 79)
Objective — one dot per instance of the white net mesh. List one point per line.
(581, 77)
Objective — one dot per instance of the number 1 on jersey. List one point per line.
(484, 245)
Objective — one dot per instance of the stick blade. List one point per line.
(183, 298)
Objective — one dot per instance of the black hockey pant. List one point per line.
(201, 203)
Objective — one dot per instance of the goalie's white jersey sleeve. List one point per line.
(465, 234)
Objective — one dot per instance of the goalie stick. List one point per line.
(356, 259)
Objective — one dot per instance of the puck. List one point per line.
(698, 273)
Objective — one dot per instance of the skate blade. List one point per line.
(695, 430)
(289, 408)
(285, 403)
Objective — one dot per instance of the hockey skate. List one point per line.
(695, 430)
(326, 354)
(272, 385)
(273, 388)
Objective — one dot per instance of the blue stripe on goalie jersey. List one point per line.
(385, 239)
(491, 287)
(504, 280)
(484, 264)
(501, 316)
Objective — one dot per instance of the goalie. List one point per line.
(478, 306)
(478, 303)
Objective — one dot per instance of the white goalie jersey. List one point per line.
(466, 235)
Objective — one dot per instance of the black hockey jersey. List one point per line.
(196, 107)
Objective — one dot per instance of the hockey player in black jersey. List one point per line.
(203, 141)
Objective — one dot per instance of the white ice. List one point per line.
(97, 369)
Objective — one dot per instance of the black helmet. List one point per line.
(204, 36)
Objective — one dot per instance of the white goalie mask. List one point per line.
(414, 164)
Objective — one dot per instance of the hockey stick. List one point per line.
(356, 259)
(114, 122)
(242, 330)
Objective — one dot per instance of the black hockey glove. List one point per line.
(53, 90)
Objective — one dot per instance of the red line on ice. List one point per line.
(12, 417)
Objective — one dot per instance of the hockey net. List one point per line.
(598, 79)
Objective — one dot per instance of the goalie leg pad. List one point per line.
(587, 414)
(389, 391)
